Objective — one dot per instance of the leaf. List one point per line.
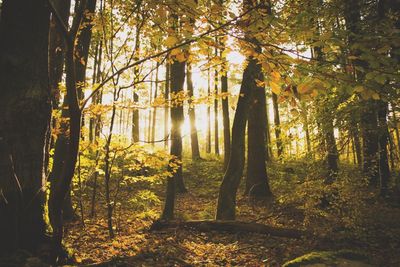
(359, 88)
(303, 88)
(375, 96)
(275, 76)
(276, 89)
(171, 41)
(181, 57)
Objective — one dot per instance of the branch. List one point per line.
(60, 21)
(188, 41)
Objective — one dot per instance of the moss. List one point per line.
(327, 257)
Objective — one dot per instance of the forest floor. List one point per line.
(135, 245)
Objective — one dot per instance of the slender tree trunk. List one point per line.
(149, 107)
(268, 151)
(166, 109)
(332, 152)
(58, 195)
(56, 62)
(357, 145)
(153, 125)
(25, 105)
(107, 169)
(208, 137)
(225, 110)
(384, 170)
(396, 130)
(277, 124)
(194, 140)
(135, 112)
(216, 135)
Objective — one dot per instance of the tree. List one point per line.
(226, 204)
(257, 179)
(25, 106)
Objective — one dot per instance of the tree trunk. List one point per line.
(166, 109)
(225, 110)
(56, 62)
(369, 127)
(175, 181)
(357, 145)
(227, 193)
(384, 170)
(257, 179)
(194, 140)
(25, 105)
(216, 135)
(57, 195)
(208, 137)
(332, 156)
(153, 124)
(135, 112)
(277, 124)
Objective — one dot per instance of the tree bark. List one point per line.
(231, 227)
(216, 135)
(25, 105)
(277, 124)
(208, 137)
(166, 109)
(227, 193)
(369, 127)
(384, 170)
(194, 139)
(257, 179)
(175, 181)
(225, 110)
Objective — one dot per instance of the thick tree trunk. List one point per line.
(227, 193)
(194, 139)
(25, 105)
(257, 179)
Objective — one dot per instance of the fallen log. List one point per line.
(229, 226)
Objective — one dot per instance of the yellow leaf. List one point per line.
(175, 51)
(359, 88)
(260, 83)
(375, 96)
(303, 88)
(181, 57)
(275, 76)
(171, 41)
(266, 67)
(276, 89)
